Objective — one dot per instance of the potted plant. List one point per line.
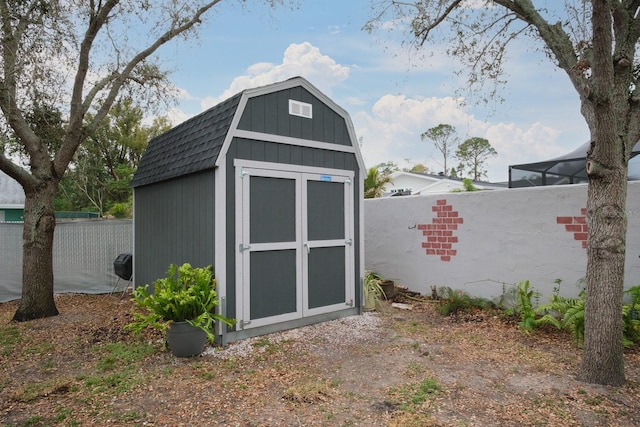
(182, 305)
(372, 290)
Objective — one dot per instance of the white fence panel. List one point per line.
(83, 256)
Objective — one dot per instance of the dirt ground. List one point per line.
(394, 367)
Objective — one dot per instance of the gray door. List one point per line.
(295, 245)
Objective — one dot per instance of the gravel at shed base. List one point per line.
(347, 330)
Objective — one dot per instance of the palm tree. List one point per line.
(374, 183)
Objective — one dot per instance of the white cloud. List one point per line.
(352, 100)
(302, 59)
(391, 132)
(177, 116)
(477, 4)
(182, 94)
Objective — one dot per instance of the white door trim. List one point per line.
(302, 174)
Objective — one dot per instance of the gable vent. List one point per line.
(302, 109)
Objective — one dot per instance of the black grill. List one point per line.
(123, 266)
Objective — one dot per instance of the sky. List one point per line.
(391, 95)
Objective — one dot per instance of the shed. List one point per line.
(11, 199)
(267, 187)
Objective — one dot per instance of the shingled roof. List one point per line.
(11, 193)
(190, 147)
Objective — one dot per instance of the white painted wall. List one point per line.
(501, 237)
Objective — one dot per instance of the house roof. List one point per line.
(428, 184)
(11, 193)
(190, 147)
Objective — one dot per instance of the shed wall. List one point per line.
(270, 114)
(174, 224)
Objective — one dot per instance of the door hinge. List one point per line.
(347, 181)
(349, 303)
(349, 242)
(242, 323)
(242, 247)
(242, 173)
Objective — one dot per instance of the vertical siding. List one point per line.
(174, 223)
(282, 99)
(270, 114)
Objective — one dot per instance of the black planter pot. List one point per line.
(185, 340)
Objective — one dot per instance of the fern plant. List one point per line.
(568, 314)
(187, 294)
(524, 306)
(631, 318)
(573, 319)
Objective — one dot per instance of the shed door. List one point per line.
(295, 245)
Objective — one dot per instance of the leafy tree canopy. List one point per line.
(473, 154)
(104, 165)
(387, 168)
(418, 168)
(444, 139)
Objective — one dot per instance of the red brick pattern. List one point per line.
(439, 233)
(576, 225)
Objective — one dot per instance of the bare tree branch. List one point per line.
(11, 39)
(423, 32)
(115, 81)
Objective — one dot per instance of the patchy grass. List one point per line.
(313, 391)
(408, 368)
(9, 337)
(414, 397)
(37, 390)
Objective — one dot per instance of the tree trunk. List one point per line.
(603, 358)
(37, 257)
(607, 169)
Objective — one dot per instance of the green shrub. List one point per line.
(121, 210)
(455, 301)
(631, 318)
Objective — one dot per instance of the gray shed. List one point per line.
(267, 187)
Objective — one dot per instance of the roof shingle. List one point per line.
(190, 147)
